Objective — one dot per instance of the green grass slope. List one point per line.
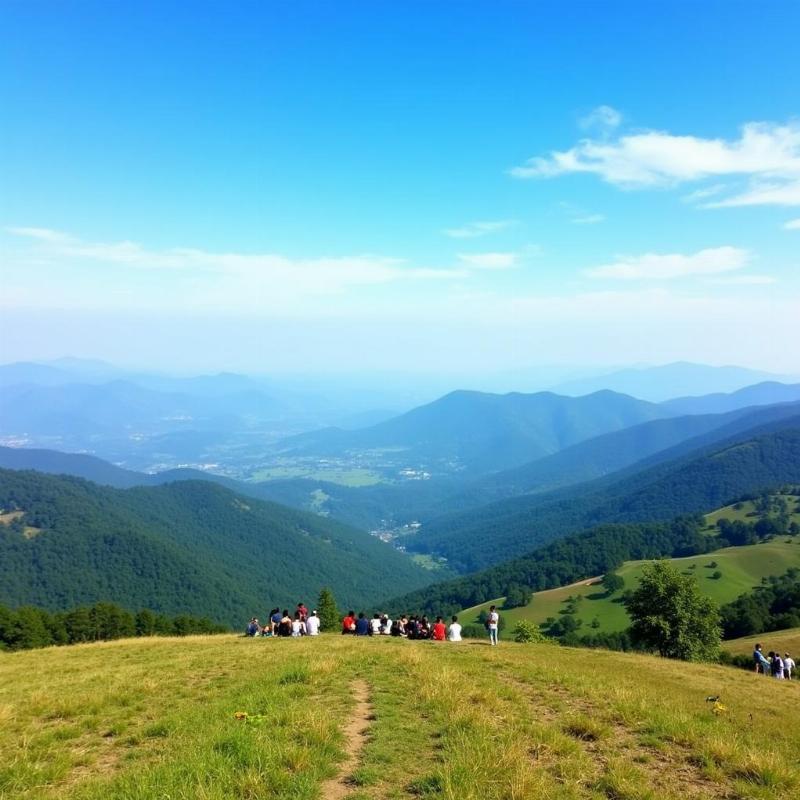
(187, 547)
(153, 719)
(742, 569)
(787, 641)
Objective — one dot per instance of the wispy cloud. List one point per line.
(200, 278)
(767, 153)
(589, 219)
(489, 260)
(792, 225)
(603, 118)
(474, 230)
(654, 266)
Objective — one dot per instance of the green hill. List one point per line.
(742, 569)
(187, 547)
(381, 718)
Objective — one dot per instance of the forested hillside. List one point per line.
(189, 547)
(695, 483)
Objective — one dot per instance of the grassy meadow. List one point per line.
(156, 718)
(742, 569)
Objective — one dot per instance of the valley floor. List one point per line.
(381, 718)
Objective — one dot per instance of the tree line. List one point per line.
(28, 627)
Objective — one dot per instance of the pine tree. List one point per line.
(327, 610)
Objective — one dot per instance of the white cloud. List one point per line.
(473, 230)
(792, 225)
(589, 219)
(653, 266)
(489, 260)
(78, 272)
(767, 153)
(604, 118)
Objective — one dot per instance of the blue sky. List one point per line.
(413, 186)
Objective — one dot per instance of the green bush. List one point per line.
(527, 632)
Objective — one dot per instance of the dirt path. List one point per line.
(354, 734)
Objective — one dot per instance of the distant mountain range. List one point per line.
(479, 433)
(669, 381)
(698, 474)
(186, 547)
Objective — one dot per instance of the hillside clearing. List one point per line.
(139, 719)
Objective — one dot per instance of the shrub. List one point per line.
(527, 632)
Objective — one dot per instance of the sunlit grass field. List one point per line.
(742, 569)
(787, 641)
(156, 719)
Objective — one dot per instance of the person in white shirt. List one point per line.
(386, 625)
(298, 626)
(313, 624)
(454, 631)
(788, 666)
(375, 625)
(493, 623)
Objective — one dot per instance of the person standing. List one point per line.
(493, 624)
(788, 666)
(454, 633)
(313, 624)
(760, 662)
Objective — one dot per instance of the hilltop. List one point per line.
(384, 718)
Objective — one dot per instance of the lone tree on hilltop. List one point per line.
(670, 615)
(327, 611)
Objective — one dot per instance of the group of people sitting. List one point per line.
(409, 627)
(772, 664)
(282, 624)
(303, 623)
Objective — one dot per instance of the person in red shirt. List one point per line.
(349, 623)
(439, 630)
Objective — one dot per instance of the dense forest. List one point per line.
(28, 627)
(771, 607)
(190, 547)
(688, 485)
(599, 551)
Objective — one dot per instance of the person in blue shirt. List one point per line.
(362, 625)
(760, 661)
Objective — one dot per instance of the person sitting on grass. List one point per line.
(313, 624)
(454, 633)
(349, 623)
(252, 627)
(375, 625)
(439, 633)
(285, 626)
(298, 626)
(386, 625)
(362, 625)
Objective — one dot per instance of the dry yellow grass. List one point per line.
(155, 718)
